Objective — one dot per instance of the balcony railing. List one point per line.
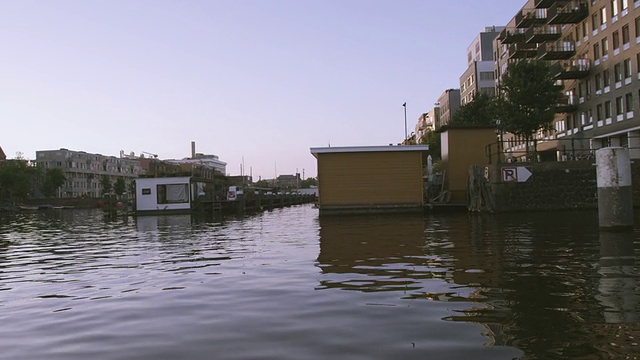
(566, 104)
(511, 35)
(539, 34)
(557, 51)
(572, 12)
(571, 69)
(544, 4)
(530, 17)
(523, 50)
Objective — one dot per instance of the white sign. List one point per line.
(515, 174)
(232, 194)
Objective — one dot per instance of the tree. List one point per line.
(308, 182)
(120, 186)
(528, 99)
(480, 111)
(432, 138)
(53, 179)
(15, 179)
(105, 183)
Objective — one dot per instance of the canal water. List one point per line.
(287, 284)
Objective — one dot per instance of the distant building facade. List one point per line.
(479, 76)
(84, 171)
(425, 124)
(208, 161)
(448, 104)
(288, 181)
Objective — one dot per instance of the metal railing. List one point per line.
(546, 150)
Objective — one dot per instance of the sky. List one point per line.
(256, 82)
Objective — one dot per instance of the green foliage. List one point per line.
(432, 138)
(120, 186)
(263, 183)
(308, 182)
(53, 179)
(481, 111)
(529, 98)
(15, 179)
(105, 183)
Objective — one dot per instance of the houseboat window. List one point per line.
(146, 191)
(173, 193)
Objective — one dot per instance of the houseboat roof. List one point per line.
(360, 149)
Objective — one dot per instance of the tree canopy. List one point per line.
(53, 179)
(105, 183)
(480, 111)
(15, 179)
(120, 186)
(528, 98)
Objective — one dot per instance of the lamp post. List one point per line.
(404, 105)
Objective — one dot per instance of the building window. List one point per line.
(146, 191)
(605, 47)
(607, 109)
(599, 112)
(486, 75)
(596, 51)
(173, 193)
(589, 116)
(625, 34)
(627, 68)
(614, 8)
(594, 22)
(628, 101)
(598, 80)
(603, 15)
(619, 108)
(617, 71)
(606, 78)
(616, 40)
(625, 5)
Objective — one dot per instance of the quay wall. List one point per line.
(552, 186)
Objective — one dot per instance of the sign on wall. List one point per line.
(515, 174)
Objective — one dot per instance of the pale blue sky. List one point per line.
(262, 80)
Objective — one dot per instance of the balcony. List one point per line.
(571, 69)
(544, 33)
(559, 50)
(544, 4)
(572, 12)
(566, 104)
(522, 50)
(530, 17)
(511, 35)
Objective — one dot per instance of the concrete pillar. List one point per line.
(634, 144)
(615, 198)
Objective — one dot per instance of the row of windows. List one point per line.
(621, 108)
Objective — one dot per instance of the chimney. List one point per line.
(193, 149)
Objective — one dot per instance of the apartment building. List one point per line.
(594, 48)
(479, 76)
(447, 105)
(425, 124)
(84, 171)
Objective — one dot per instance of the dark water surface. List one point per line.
(287, 284)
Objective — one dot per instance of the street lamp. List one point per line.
(404, 105)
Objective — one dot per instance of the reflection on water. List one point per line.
(550, 284)
(287, 284)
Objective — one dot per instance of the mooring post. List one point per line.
(615, 197)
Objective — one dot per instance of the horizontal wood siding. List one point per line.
(370, 179)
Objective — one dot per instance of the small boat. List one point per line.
(27, 208)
